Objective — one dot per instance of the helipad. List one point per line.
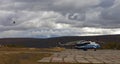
(80, 56)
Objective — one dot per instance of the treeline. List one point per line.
(12, 45)
(106, 41)
(111, 45)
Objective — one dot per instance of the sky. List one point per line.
(54, 18)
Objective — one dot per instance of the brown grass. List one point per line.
(22, 58)
(27, 58)
(55, 49)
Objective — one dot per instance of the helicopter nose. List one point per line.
(98, 46)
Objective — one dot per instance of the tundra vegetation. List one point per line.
(13, 55)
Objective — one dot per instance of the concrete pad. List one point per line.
(46, 59)
(57, 59)
(70, 56)
(81, 60)
(108, 61)
(94, 61)
(78, 56)
(88, 57)
(62, 56)
(71, 60)
(117, 62)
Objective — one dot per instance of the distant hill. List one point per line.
(104, 40)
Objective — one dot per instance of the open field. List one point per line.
(67, 56)
(25, 55)
(54, 49)
(21, 58)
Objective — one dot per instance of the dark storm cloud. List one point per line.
(106, 3)
(55, 17)
(71, 7)
(112, 14)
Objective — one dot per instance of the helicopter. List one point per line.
(85, 45)
(82, 44)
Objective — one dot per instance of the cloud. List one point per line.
(59, 17)
(106, 3)
(46, 33)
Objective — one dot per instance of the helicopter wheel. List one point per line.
(95, 49)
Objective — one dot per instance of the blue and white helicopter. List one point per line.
(85, 45)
